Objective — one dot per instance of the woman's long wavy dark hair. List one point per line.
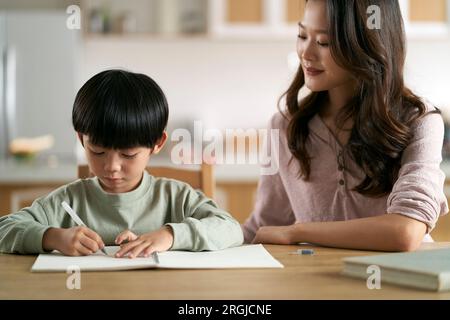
(384, 109)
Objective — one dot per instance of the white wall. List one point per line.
(427, 71)
(236, 83)
(229, 84)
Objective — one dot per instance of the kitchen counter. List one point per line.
(31, 172)
(18, 172)
(13, 172)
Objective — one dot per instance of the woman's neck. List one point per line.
(336, 99)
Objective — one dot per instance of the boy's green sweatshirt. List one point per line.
(197, 223)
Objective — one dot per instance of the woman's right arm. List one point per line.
(272, 207)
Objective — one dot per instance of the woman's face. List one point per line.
(321, 71)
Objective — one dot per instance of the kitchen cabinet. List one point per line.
(279, 17)
(144, 17)
(426, 18)
(236, 18)
(442, 230)
(22, 182)
(294, 10)
(431, 11)
(257, 18)
(249, 11)
(15, 196)
(188, 17)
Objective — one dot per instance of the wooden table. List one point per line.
(304, 277)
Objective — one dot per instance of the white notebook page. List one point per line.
(248, 256)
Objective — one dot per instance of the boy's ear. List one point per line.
(160, 144)
(80, 137)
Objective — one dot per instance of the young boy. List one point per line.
(120, 118)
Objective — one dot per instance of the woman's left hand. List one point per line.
(273, 235)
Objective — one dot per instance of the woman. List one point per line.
(359, 156)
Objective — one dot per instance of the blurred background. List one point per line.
(222, 62)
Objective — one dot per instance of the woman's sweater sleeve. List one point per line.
(272, 207)
(418, 192)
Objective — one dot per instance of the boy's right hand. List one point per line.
(75, 241)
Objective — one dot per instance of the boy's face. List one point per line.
(118, 170)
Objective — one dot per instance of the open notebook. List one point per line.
(248, 256)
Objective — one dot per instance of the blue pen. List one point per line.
(305, 252)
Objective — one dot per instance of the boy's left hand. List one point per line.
(145, 244)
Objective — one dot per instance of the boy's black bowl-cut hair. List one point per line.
(118, 109)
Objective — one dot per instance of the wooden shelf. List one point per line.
(428, 11)
(248, 11)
